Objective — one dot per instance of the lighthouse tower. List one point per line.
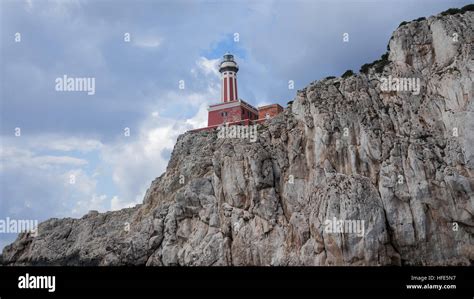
(228, 69)
(232, 110)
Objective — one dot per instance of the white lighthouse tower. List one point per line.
(228, 69)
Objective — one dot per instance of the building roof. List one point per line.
(270, 105)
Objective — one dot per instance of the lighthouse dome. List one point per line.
(228, 57)
(228, 63)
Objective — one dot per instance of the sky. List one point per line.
(63, 153)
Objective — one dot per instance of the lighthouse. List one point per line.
(231, 110)
(228, 69)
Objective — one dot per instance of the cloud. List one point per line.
(200, 119)
(69, 144)
(208, 66)
(52, 142)
(12, 158)
(94, 203)
(54, 172)
(148, 42)
(68, 183)
(139, 159)
(40, 186)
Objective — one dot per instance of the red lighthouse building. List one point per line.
(232, 110)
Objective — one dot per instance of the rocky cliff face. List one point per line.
(345, 149)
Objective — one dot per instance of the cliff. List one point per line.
(345, 148)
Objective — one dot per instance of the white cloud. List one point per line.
(29, 5)
(57, 8)
(173, 99)
(150, 42)
(96, 202)
(68, 144)
(12, 157)
(208, 66)
(137, 162)
(54, 142)
(76, 181)
(200, 119)
(44, 186)
(133, 161)
(59, 160)
(117, 204)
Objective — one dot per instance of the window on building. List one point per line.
(223, 114)
(267, 115)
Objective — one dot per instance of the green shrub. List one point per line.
(365, 68)
(329, 77)
(405, 22)
(347, 73)
(469, 7)
(402, 23)
(451, 11)
(378, 65)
